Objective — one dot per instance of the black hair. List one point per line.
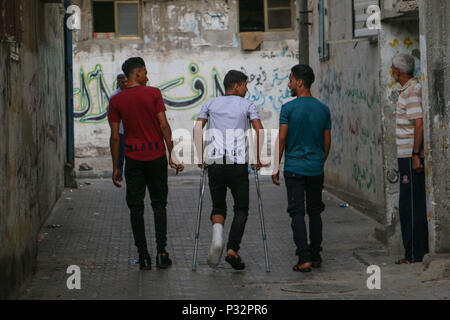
(305, 73)
(131, 64)
(233, 77)
(121, 76)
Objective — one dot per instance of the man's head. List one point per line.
(235, 83)
(135, 70)
(403, 66)
(301, 78)
(122, 81)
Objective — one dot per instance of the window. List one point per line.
(360, 16)
(265, 15)
(103, 13)
(116, 19)
(324, 47)
(11, 20)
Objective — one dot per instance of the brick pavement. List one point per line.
(95, 234)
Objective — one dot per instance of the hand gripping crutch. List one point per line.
(199, 214)
(261, 215)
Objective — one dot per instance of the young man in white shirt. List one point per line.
(228, 121)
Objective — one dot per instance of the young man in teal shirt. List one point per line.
(305, 134)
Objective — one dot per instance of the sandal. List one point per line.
(402, 261)
(300, 267)
(236, 263)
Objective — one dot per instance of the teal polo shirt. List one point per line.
(307, 119)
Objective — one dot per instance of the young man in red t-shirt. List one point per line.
(142, 111)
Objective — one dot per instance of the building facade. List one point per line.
(188, 47)
(353, 67)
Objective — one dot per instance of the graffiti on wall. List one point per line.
(330, 90)
(408, 45)
(266, 89)
(354, 130)
(366, 137)
(87, 111)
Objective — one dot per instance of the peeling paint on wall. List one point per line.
(215, 21)
(189, 23)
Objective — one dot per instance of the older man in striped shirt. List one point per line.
(412, 201)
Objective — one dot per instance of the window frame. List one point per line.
(116, 19)
(266, 18)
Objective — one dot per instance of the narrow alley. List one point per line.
(95, 235)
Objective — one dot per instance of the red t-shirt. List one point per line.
(137, 107)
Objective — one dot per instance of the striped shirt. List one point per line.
(409, 108)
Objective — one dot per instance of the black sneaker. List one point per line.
(163, 261)
(145, 262)
(236, 263)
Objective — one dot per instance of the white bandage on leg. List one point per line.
(215, 252)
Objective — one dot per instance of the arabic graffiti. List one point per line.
(198, 87)
(266, 89)
(85, 111)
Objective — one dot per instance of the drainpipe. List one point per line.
(69, 172)
(304, 32)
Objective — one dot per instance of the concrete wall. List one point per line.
(434, 37)
(32, 126)
(349, 83)
(188, 46)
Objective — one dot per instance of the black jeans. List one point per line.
(140, 175)
(413, 211)
(235, 177)
(121, 153)
(297, 185)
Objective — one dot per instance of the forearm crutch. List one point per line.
(261, 214)
(199, 214)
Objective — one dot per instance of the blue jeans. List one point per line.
(413, 211)
(297, 187)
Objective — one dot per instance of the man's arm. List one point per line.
(167, 135)
(257, 125)
(281, 143)
(114, 142)
(418, 141)
(198, 138)
(327, 143)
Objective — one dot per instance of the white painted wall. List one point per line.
(268, 73)
(177, 35)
